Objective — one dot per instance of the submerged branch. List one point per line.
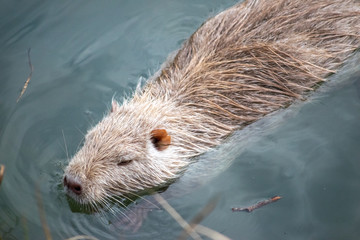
(195, 222)
(82, 237)
(176, 216)
(194, 228)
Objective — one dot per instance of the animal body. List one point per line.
(246, 62)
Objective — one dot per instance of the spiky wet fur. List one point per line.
(240, 65)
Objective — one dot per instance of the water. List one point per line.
(85, 52)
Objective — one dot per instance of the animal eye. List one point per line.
(123, 163)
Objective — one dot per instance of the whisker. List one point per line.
(82, 133)
(146, 200)
(81, 141)
(116, 211)
(66, 149)
(117, 201)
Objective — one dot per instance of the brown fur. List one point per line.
(240, 65)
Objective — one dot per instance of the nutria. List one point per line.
(244, 63)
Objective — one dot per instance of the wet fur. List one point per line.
(239, 66)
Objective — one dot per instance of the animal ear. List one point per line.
(160, 139)
(114, 106)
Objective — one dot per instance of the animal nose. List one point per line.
(73, 185)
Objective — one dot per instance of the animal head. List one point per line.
(128, 151)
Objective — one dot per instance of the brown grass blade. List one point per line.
(42, 215)
(2, 170)
(29, 77)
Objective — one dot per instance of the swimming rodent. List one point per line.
(244, 63)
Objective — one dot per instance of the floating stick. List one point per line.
(257, 205)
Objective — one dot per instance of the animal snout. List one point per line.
(72, 185)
